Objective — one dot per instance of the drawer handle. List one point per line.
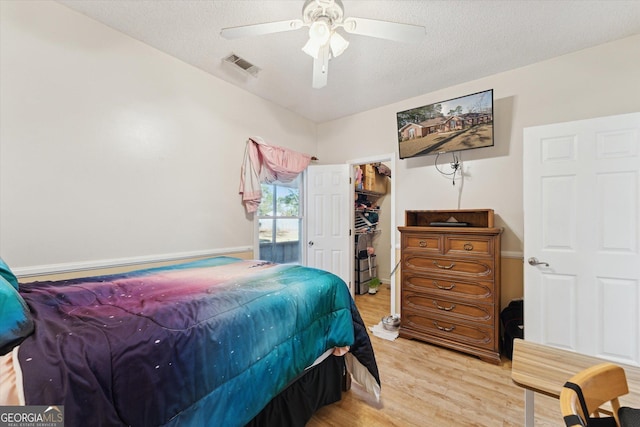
(443, 308)
(444, 267)
(442, 328)
(422, 243)
(468, 247)
(444, 288)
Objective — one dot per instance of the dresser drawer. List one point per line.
(422, 241)
(469, 289)
(453, 310)
(419, 262)
(468, 245)
(432, 325)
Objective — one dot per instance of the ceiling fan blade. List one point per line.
(260, 29)
(384, 29)
(321, 68)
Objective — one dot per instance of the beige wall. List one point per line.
(511, 276)
(595, 82)
(110, 149)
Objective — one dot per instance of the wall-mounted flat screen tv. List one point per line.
(453, 125)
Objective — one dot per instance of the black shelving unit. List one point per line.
(367, 216)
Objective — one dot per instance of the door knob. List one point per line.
(310, 243)
(534, 261)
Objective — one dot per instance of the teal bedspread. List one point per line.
(203, 343)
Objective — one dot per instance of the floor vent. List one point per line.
(243, 64)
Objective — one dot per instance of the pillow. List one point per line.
(8, 275)
(15, 318)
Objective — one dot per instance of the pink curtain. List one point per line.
(265, 163)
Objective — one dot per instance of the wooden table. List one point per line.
(542, 369)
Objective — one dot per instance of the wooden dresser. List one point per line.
(450, 290)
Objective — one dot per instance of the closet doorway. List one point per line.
(374, 226)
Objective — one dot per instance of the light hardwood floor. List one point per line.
(425, 385)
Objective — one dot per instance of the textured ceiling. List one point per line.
(466, 40)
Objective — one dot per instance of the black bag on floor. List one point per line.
(512, 318)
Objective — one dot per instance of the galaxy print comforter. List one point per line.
(203, 343)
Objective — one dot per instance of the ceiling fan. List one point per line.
(324, 17)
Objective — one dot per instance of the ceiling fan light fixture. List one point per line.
(319, 35)
(323, 17)
(338, 44)
(320, 31)
(311, 48)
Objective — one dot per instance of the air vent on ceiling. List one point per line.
(243, 64)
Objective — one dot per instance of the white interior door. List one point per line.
(329, 197)
(581, 225)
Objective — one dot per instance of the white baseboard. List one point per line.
(512, 254)
(43, 270)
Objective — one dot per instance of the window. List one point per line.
(279, 219)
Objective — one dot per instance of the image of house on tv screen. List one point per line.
(454, 125)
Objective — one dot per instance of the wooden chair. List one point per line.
(598, 385)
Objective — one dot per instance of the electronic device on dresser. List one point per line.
(450, 288)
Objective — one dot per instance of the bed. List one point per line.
(221, 340)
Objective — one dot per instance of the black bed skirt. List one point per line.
(295, 405)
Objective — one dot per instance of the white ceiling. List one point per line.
(466, 40)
